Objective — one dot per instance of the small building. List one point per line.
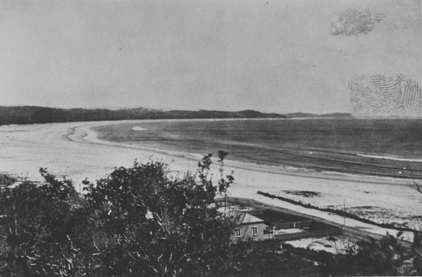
(268, 224)
(249, 226)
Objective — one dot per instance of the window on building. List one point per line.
(254, 231)
(237, 233)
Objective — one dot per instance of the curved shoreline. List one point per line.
(74, 150)
(88, 136)
(390, 158)
(92, 137)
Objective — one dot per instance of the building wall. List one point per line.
(246, 230)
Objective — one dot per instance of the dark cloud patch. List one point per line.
(354, 22)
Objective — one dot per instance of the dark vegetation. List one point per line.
(311, 115)
(338, 212)
(303, 193)
(135, 222)
(138, 221)
(386, 257)
(34, 114)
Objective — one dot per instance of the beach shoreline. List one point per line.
(74, 150)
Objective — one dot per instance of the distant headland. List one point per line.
(38, 114)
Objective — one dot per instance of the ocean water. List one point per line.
(385, 147)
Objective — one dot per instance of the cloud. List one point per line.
(354, 22)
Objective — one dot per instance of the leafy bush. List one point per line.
(40, 227)
(139, 221)
(152, 225)
(135, 222)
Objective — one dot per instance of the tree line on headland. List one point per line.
(33, 114)
(36, 114)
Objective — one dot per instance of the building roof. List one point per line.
(242, 218)
(275, 217)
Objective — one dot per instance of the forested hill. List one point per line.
(311, 115)
(35, 114)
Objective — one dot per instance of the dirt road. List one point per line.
(355, 233)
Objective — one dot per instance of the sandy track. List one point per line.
(358, 231)
(72, 149)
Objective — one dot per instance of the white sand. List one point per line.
(390, 158)
(339, 246)
(139, 128)
(72, 149)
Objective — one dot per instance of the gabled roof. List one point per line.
(250, 219)
(242, 218)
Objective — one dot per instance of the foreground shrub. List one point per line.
(40, 228)
(137, 221)
(140, 221)
(152, 225)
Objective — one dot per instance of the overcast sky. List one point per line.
(272, 56)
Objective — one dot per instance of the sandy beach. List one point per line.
(73, 150)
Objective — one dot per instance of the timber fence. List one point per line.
(294, 224)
